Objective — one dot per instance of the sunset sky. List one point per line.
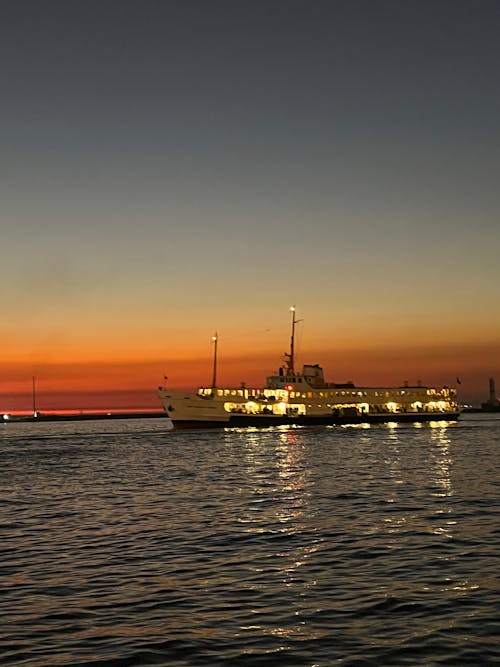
(174, 167)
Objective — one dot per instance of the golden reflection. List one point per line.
(278, 471)
(300, 630)
(393, 460)
(442, 458)
(456, 587)
(395, 524)
(288, 437)
(430, 469)
(442, 462)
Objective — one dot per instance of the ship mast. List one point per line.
(291, 355)
(214, 372)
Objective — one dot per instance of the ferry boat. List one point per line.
(304, 398)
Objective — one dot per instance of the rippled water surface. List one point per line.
(124, 543)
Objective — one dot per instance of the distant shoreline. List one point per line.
(83, 416)
(146, 414)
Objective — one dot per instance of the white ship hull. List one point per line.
(194, 411)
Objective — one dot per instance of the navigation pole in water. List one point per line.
(33, 396)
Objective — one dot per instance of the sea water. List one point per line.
(125, 543)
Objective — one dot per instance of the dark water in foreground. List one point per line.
(122, 543)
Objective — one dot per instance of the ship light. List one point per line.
(6, 417)
(392, 406)
(289, 387)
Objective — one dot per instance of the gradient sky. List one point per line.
(170, 168)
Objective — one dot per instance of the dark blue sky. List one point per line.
(354, 146)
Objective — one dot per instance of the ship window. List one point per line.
(300, 379)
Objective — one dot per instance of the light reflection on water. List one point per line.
(128, 544)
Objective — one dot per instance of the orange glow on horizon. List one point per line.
(108, 382)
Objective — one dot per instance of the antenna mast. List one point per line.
(214, 373)
(291, 355)
(292, 343)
